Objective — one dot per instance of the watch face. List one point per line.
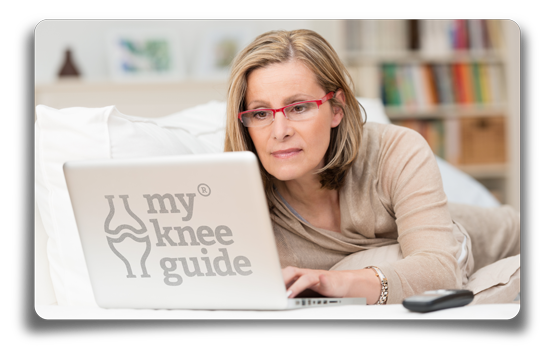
(378, 272)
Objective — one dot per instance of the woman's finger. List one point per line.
(305, 281)
(291, 274)
(326, 283)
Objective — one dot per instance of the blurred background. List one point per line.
(454, 81)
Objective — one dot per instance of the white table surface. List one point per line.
(490, 311)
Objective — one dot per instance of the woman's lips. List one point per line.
(286, 153)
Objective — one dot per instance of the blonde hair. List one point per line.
(317, 54)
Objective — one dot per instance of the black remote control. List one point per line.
(438, 299)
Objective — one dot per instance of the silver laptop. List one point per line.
(180, 232)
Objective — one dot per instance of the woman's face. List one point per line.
(290, 150)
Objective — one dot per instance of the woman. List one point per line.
(342, 193)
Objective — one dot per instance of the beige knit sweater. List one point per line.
(392, 194)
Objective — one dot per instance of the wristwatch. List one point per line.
(384, 282)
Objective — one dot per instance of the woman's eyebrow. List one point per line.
(256, 103)
(287, 101)
(297, 98)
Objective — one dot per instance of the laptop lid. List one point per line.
(187, 231)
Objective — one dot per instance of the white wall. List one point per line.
(87, 39)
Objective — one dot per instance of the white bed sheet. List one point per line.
(489, 311)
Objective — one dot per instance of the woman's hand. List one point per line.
(348, 283)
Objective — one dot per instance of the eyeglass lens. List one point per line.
(298, 112)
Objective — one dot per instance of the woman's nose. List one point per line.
(280, 128)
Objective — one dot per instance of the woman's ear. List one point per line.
(338, 112)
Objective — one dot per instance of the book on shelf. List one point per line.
(485, 85)
(406, 90)
(419, 86)
(475, 31)
(413, 27)
(461, 40)
(422, 86)
(495, 37)
(476, 76)
(430, 84)
(469, 82)
(458, 84)
(389, 85)
(444, 85)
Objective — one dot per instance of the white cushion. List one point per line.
(375, 110)
(462, 188)
(103, 133)
(43, 287)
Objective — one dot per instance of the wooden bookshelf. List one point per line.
(449, 80)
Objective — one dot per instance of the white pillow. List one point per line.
(375, 110)
(103, 133)
(462, 188)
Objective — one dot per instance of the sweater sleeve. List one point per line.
(411, 188)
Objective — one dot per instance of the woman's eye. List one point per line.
(261, 115)
(301, 108)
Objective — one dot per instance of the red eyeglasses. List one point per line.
(299, 111)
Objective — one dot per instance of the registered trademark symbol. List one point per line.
(204, 190)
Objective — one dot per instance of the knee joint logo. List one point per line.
(188, 238)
